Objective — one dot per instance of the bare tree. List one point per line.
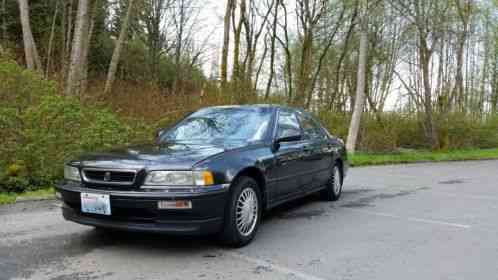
(426, 17)
(464, 12)
(4, 21)
(272, 51)
(66, 30)
(286, 45)
(80, 31)
(51, 39)
(86, 45)
(33, 61)
(113, 66)
(494, 73)
(360, 86)
(153, 15)
(309, 13)
(255, 23)
(346, 48)
(226, 41)
(332, 27)
(237, 31)
(180, 25)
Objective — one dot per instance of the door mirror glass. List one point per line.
(159, 133)
(288, 127)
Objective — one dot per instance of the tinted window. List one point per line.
(311, 128)
(222, 124)
(288, 125)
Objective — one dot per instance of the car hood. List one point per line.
(172, 156)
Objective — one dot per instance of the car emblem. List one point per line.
(107, 176)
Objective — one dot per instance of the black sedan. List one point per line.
(215, 171)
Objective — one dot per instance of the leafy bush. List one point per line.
(393, 131)
(41, 129)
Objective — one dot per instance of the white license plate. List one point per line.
(95, 203)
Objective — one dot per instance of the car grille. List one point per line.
(111, 177)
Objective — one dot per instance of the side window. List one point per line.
(312, 128)
(287, 124)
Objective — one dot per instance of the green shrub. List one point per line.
(41, 130)
(394, 131)
(336, 123)
(487, 134)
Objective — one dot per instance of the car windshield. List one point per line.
(221, 124)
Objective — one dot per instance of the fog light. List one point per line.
(174, 204)
(58, 195)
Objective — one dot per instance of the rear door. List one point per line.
(318, 158)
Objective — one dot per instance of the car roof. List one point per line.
(273, 106)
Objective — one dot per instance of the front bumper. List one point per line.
(138, 211)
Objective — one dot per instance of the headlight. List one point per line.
(178, 178)
(72, 173)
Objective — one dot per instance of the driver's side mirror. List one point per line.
(289, 138)
(158, 134)
(283, 139)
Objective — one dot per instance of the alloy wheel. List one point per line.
(246, 211)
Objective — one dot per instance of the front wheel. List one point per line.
(333, 189)
(243, 213)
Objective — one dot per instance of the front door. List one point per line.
(289, 170)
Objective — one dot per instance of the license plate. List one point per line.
(95, 203)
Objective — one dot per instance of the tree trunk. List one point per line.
(304, 69)
(30, 51)
(226, 42)
(236, 73)
(180, 25)
(285, 43)
(86, 48)
(341, 59)
(260, 65)
(360, 90)
(430, 128)
(494, 83)
(4, 21)
(74, 73)
(113, 66)
(51, 39)
(67, 28)
(458, 88)
(272, 52)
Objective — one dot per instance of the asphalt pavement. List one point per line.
(415, 221)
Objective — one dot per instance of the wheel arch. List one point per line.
(340, 163)
(256, 174)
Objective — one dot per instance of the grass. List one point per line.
(46, 193)
(411, 156)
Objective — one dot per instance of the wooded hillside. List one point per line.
(386, 75)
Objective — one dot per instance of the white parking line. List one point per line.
(427, 221)
(274, 267)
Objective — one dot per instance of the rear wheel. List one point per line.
(333, 188)
(243, 213)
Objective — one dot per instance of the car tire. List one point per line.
(333, 189)
(242, 214)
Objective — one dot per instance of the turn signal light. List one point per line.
(208, 178)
